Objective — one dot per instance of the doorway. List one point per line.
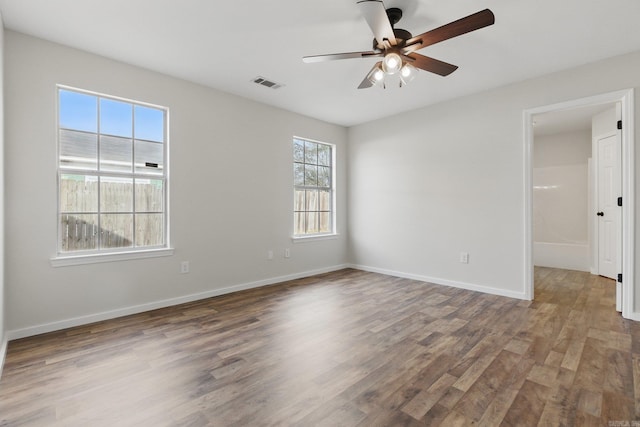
(562, 154)
(625, 100)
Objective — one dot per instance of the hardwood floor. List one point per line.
(348, 348)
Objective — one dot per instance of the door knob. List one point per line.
(600, 214)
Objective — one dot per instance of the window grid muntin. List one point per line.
(98, 173)
(318, 188)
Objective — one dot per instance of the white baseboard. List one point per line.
(634, 316)
(3, 353)
(83, 320)
(112, 314)
(444, 282)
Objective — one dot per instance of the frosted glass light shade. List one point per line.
(408, 73)
(376, 76)
(391, 63)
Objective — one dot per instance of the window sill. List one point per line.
(67, 260)
(314, 238)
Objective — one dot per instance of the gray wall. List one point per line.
(429, 184)
(231, 192)
(422, 187)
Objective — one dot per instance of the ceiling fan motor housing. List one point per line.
(394, 14)
(401, 36)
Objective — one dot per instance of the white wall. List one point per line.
(562, 149)
(430, 183)
(560, 196)
(604, 122)
(560, 200)
(3, 304)
(231, 192)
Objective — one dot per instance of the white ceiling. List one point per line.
(225, 45)
(570, 120)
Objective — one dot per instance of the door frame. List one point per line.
(626, 100)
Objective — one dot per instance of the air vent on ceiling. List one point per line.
(268, 83)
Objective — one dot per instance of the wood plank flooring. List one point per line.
(348, 348)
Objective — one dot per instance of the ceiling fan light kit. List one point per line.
(408, 73)
(397, 47)
(391, 63)
(376, 75)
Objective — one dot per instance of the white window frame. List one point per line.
(64, 258)
(332, 197)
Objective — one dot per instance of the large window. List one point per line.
(112, 174)
(313, 188)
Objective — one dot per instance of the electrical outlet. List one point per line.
(269, 254)
(464, 257)
(287, 253)
(184, 267)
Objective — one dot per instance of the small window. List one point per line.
(313, 177)
(112, 174)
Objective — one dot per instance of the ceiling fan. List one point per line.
(397, 47)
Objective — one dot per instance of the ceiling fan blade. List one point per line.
(368, 80)
(375, 14)
(334, 56)
(365, 84)
(464, 25)
(431, 65)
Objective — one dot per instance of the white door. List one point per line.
(608, 212)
